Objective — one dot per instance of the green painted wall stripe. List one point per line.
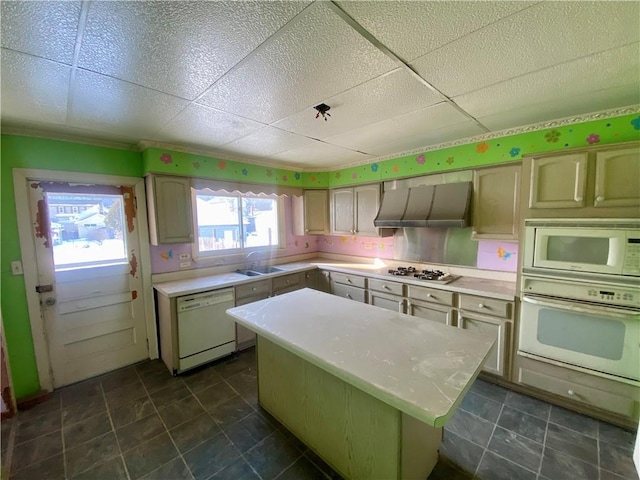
(504, 149)
(478, 154)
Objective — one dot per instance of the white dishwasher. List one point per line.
(205, 331)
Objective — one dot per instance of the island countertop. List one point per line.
(421, 368)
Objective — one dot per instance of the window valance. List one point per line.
(258, 189)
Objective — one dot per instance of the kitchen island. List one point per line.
(367, 389)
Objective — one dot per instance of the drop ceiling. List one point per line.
(240, 79)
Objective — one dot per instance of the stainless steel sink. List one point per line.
(267, 269)
(255, 271)
(248, 273)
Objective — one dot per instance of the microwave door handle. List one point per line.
(608, 311)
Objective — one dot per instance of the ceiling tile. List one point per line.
(564, 107)
(402, 133)
(609, 69)
(411, 29)
(547, 34)
(315, 57)
(44, 29)
(267, 141)
(179, 48)
(110, 105)
(34, 88)
(206, 127)
(384, 97)
(319, 155)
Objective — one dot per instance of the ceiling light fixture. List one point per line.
(323, 110)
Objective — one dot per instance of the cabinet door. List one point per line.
(316, 212)
(429, 311)
(244, 337)
(323, 281)
(496, 200)
(388, 302)
(367, 203)
(558, 181)
(618, 178)
(496, 360)
(342, 211)
(171, 219)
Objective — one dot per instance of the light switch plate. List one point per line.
(16, 267)
(185, 264)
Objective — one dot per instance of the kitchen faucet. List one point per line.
(248, 264)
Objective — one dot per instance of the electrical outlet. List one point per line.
(184, 256)
(185, 264)
(16, 267)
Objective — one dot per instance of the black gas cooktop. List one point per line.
(427, 275)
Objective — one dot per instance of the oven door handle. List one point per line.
(574, 307)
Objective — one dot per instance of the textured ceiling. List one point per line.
(239, 79)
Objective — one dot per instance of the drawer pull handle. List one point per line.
(386, 287)
(571, 392)
(349, 280)
(254, 289)
(599, 198)
(481, 305)
(429, 295)
(288, 281)
(349, 295)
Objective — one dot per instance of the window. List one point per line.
(227, 222)
(99, 241)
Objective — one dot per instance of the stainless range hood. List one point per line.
(443, 205)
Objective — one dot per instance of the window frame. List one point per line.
(217, 256)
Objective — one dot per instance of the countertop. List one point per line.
(470, 285)
(421, 368)
(177, 288)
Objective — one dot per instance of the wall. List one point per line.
(25, 152)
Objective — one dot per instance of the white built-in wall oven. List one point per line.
(580, 292)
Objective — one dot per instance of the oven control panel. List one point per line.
(611, 295)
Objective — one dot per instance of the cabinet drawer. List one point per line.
(431, 311)
(487, 306)
(256, 289)
(394, 303)
(429, 295)
(577, 392)
(289, 282)
(384, 286)
(353, 280)
(352, 293)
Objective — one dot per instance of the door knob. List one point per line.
(50, 301)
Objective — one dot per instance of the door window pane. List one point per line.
(92, 237)
(594, 335)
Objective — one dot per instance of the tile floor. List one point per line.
(142, 423)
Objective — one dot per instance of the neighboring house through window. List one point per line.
(234, 222)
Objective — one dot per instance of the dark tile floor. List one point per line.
(142, 423)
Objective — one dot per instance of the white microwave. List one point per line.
(589, 246)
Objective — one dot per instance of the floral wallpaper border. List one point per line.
(488, 151)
